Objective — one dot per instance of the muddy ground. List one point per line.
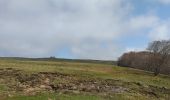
(30, 84)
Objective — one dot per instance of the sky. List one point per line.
(81, 29)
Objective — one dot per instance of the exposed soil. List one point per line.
(30, 84)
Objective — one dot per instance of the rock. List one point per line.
(10, 95)
(47, 81)
(118, 89)
(42, 86)
(74, 88)
(29, 90)
(50, 99)
(76, 92)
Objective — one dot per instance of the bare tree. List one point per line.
(159, 51)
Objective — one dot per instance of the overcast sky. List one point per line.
(86, 29)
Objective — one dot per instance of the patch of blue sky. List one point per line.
(148, 6)
(64, 52)
(135, 41)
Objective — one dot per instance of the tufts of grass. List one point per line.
(3, 88)
(87, 70)
(53, 96)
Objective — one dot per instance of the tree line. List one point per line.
(156, 58)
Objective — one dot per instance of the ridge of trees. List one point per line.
(156, 58)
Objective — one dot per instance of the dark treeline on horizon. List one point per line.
(155, 59)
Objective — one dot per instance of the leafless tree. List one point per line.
(159, 51)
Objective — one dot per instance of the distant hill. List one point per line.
(63, 60)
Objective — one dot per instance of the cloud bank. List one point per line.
(88, 29)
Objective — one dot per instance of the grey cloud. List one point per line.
(164, 1)
(38, 28)
(160, 31)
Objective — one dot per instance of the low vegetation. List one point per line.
(55, 80)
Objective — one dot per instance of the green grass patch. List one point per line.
(89, 71)
(53, 96)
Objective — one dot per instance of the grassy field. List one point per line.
(31, 79)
